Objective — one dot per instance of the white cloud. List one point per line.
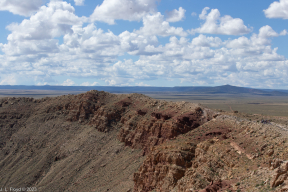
(155, 25)
(266, 32)
(126, 69)
(226, 25)
(284, 32)
(87, 53)
(176, 15)
(232, 61)
(277, 9)
(93, 44)
(20, 7)
(9, 80)
(203, 14)
(240, 42)
(257, 44)
(79, 2)
(136, 44)
(256, 41)
(50, 21)
(194, 14)
(142, 84)
(111, 82)
(204, 41)
(36, 35)
(68, 82)
(89, 84)
(33, 51)
(41, 84)
(18, 48)
(131, 10)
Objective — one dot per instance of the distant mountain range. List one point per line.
(225, 89)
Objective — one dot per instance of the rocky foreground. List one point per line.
(99, 141)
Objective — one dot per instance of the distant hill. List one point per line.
(224, 89)
(228, 89)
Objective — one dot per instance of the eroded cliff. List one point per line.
(99, 141)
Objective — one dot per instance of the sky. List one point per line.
(161, 43)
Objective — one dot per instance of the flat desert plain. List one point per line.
(250, 104)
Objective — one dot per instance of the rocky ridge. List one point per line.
(99, 141)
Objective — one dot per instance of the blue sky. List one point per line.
(144, 42)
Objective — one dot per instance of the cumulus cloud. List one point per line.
(50, 21)
(136, 44)
(193, 14)
(42, 83)
(111, 82)
(256, 41)
(208, 60)
(204, 41)
(203, 14)
(89, 84)
(257, 48)
(36, 35)
(142, 84)
(155, 25)
(87, 51)
(20, 7)
(176, 15)
(284, 32)
(68, 82)
(267, 31)
(9, 80)
(92, 44)
(79, 2)
(202, 60)
(263, 38)
(215, 24)
(277, 9)
(131, 10)
(17, 48)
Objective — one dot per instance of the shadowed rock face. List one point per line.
(99, 141)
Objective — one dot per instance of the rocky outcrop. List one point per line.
(182, 165)
(146, 133)
(94, 138)
(163, 167)
(200, 159)
(147, 128)
(215, 186)
(142, 121)
(280, 173)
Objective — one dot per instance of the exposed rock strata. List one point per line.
(139, 127)
(52, 131)
(96, 142)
